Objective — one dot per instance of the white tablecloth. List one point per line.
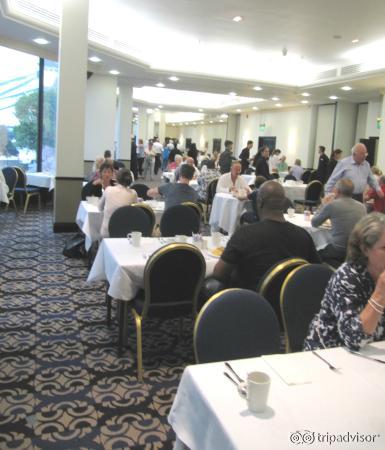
(41, 179)
(321, 236)
(89, 219)
(294, 191)
(158, 208)
(208, 413)
(225, 212)
(170, 177)
(3, 193)
(122, 265)
(249, 178)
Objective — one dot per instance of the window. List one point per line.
(49, 116)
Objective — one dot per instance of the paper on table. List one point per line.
(291, 371)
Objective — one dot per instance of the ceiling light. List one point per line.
(94, 59)
(221, 121)
(41, 41)
(194, 123)
(186, 123)
(135, 108)
(257, 88)
(202, 123)
(346, 88)
(278, 105)
(305, 94)
(114, 72)
(211, 121)
(160, 85)
(200, 110)
(160, 106)
(149, 111)
(275, 99)
(237, 19)
(255, 108)
(333, 97)
(233, 94)
(173, 78)
(239, 110)
(304, 102)
(354, 41)
(224, 116)
(173, 124)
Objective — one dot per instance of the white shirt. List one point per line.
(225, 183)
(157, 147)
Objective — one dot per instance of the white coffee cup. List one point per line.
(291, 212)
(216, 238)
(135, 238)
(180, 238)
(258, 385)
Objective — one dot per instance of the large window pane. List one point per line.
(19, 87)
(49, 116)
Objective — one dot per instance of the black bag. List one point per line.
(75, 248)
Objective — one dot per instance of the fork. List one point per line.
(331, 367)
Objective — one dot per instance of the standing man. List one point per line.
(261, 164)
(357, 169)
(245, 156)
(158, 148)
(226, 157)
(323, 162)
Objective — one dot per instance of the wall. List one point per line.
(362, 117)
(200, 134)
(345, 129)
(324, 130)
(100, 116)
(374, 111)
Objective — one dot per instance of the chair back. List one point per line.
(10, 176)
(313, 191)
(211, 191)
(21, 178)
(197, 207)
(149, 211)
(126, 219)
(300, 299)
(233, 324)
(313, 176)
(271, 282)
(141, 190)
(290, 177)
(179, 219)
(306, 176)
(173, 277)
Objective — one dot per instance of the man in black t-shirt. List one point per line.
(254, 249)
(323, 162)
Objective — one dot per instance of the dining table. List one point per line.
(294, 190)
(225, 212)
(41, 179)
(4, 192)
(309, 404)
(321, 235)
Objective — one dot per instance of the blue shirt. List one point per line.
(360, 174)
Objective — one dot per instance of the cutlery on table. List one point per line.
(241, 386)
(331, 367)
(365, 356)
(227, 364)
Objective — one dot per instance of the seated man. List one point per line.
(177, 193)
(255, 248)
(344, 213)
(204, 179)
(232, 181)
(96, 187)
(190, 161)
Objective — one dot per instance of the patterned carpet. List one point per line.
(62, 383)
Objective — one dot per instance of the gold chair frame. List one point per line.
(11, 192)
(28, 195)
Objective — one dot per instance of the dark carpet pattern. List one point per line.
(62, 383)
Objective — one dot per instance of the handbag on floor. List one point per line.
(74, 247)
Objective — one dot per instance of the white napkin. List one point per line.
(291, 368)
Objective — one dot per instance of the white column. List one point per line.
(162, 127)
(380, 160)
(150, 125)
(233, 130)
(124, 123)
(142, 123)
(73, 48)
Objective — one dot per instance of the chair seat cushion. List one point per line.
(163, 310)
(30, 190)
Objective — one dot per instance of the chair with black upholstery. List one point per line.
(10, 176)
(313, 176)
(271, 282)
(290, 177)
(127, 219)
(211, 191)
(313, 193)
(233, 324)
(164, 298)
(149, 211)
(141, 190)
(274, 176)
(23, 189)
(300, 299)
(306, 176)
(179, 219)
(197, 207)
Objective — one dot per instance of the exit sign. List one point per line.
(262, 127)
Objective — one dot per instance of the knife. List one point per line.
(366, 356)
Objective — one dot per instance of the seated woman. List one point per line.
(95, 173)
(95, 188)
(116, 196)
(352, 310)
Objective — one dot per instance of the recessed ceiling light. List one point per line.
(305, 94)
(237, 19)
(94, 59)
(114, 72)
(194, 123)
(275, 99)
(333, 97)
(224, 116)
(304, 102)
(346, 88)
(41, 41)
(233, 94)
(278, 105)
(255, 108)
(173, 124)
(135, 108)
(257, 88)
(354, 41)
(221, 121)
(202, 123)
(173, 78)
(211, 121)
(149, 111)
(186, 123)
(200, 110)
(160, 85)
(160, 106)
(239, 110)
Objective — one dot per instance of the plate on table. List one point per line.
(216, 252)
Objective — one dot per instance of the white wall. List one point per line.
(324, 130)
(200, 134)
(362, 117)
(292, 128)
(345, 129)
(374, 111)
(100, 116)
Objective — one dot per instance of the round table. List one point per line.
(321, 236)
(294, 191)
(225, 212)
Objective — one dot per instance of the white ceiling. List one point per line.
(252, 47)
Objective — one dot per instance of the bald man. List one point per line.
(356, 169)
(254, 249)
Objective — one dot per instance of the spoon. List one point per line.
(241, 380)
(241, 386)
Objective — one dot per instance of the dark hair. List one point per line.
(249, 142)
(227, 143)
(107, 154)
(186, 171)
(322, 148)
(124, 177)
(259, 180)
(105, 166)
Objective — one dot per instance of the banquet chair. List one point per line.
(271, 282)
(10, 176)
(179, 219)
(141, 190)
(290, 177)
(163, 298)
(306, 176)
(126, 219)
(149, 211)
(22, 189)
(300, 299)
(211, 191)
(233, 324)
(313, 194)
(197, 207)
